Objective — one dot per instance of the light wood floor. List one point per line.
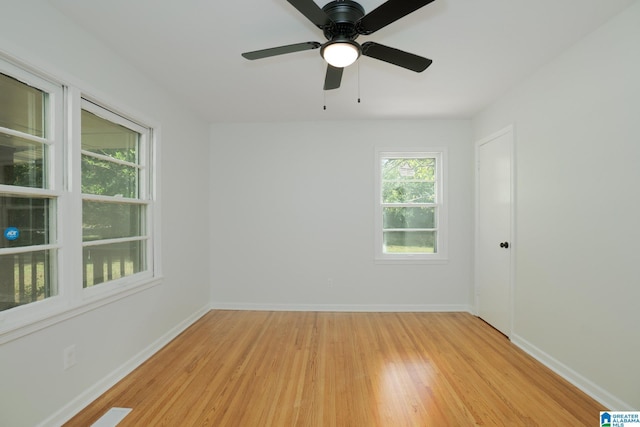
(240, 368)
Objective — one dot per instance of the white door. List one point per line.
(494, 245)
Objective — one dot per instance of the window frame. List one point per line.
(53, 186)
(144, 166)
(440, 256)
(64, 187)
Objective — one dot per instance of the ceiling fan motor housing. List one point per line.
(344, 14)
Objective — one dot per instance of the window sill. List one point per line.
(54, 310)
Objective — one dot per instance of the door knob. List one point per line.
(504, 245)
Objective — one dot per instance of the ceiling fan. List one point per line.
(342, 21)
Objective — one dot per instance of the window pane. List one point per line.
(23, 107)
(101, 136)
(106, 178)
(102, 220)
(409, 169)
(408, 218)
(408, 192)
(409, 242)
(29, 219)
(112, 261)
(21, 162)
(26, 278)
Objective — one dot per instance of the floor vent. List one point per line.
(112, 417)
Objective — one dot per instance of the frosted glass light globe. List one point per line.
(340, 54)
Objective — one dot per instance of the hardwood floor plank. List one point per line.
(240, 368)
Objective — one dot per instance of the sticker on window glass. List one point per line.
(11, 233)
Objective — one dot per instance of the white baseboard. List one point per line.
(383, 308)
(92, 393)
(608, 400)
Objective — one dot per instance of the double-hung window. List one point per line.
(115, 198)
(30, 186)
(410, 208)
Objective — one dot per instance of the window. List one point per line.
(114, 196)
(410, 210)
(29, 140)
(76, 203)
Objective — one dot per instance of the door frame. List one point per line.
(513, 238)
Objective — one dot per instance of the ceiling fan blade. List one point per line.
(281, 50)
(395, 56)
(312, 12)
(386, 13)
(333, 77)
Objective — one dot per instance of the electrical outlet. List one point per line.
(69, 357)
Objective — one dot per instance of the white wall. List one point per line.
(577, 124)
(292, 206)
(33, 385)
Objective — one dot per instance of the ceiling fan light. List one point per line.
(340, 54)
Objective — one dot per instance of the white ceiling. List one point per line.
(480, 49)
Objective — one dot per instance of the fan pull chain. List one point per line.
(358, 82)
(324, 99)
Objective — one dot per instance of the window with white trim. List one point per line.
(410, 209)
(114, 196)
(76, 205)
(30, 144)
